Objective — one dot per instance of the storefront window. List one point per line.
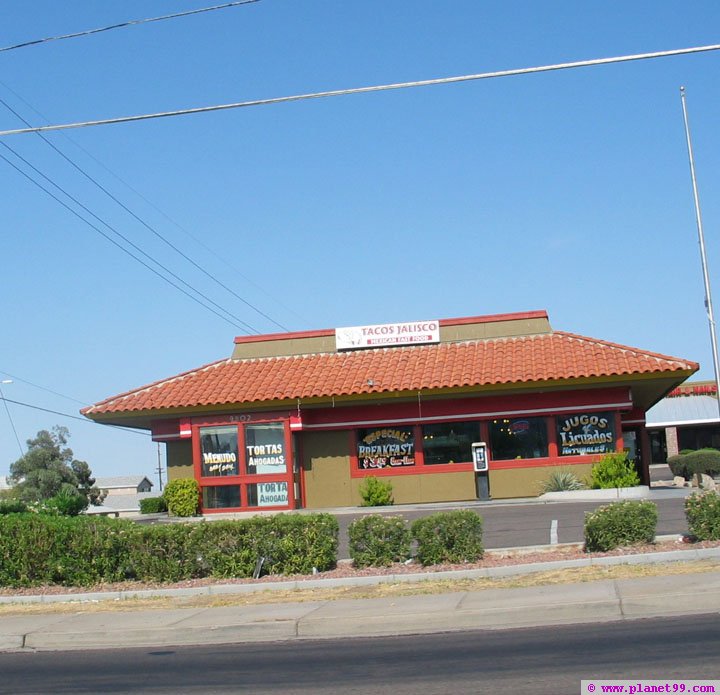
(219, 450)
(449, 442)
(519, 438)
(268, 494)
(221, 497)
(386, 447)
(265, 449)
(586, 433)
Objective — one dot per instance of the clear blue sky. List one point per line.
(564, 191)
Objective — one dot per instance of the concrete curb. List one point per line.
(688, 555)
(491, 609)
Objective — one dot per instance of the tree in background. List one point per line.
(49, 470)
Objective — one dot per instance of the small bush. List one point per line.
(613, 470)
(561, 481)
(64, 504)
(678, 465)
(702, 511)
(12, 507)
(376, 493)
(689, 463)
(619, 524)
(378, 541)
(448, 537)
(153, 505)
(182, 497)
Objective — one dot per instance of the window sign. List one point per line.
(219, 447)
(272, 494)
(265, 449)
(586, 433)
(386, 447)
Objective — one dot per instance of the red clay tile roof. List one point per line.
(474, 363)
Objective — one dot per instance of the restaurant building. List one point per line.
(688, 418)
(302, 419)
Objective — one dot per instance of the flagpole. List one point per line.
(703, 258)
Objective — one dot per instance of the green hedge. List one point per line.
(702, 511)
(73, 551)
(620, 524)
(448, 537)
(12, 507)
(378, 541)
(153, 505)
(82, 551)
(688, 464)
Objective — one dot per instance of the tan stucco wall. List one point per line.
(179, 459)
(433, 487)
(494, 329)
(526, 482)
(326, 467)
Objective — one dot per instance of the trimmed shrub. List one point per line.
(702, 511)
(287, 544)
(82, 551)
(613, 470)
(182, 497)
(376, 493)
(164, 553)
(690, 463)
(153, 505)
(298, 544)
(72, 551)
(448, 537)
(619, 524)
(561, 481)
(678, 465)
(378, 541)
(12, 507)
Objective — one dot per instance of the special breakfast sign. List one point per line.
(387, 335)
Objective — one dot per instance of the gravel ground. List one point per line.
(492, 558)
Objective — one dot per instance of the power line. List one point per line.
(365, 90)
(122, 25)
(43, 388)
(175, 223)
(12, 422)
(73, 417)
(115, 243)
(145, 224)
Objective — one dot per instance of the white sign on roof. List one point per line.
(387, 335)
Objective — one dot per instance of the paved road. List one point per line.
(529, 660)
(514, 525)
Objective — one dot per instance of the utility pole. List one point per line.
(159, 469)
(703, 258)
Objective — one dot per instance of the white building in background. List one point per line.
(123, 495)
(688, 418)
